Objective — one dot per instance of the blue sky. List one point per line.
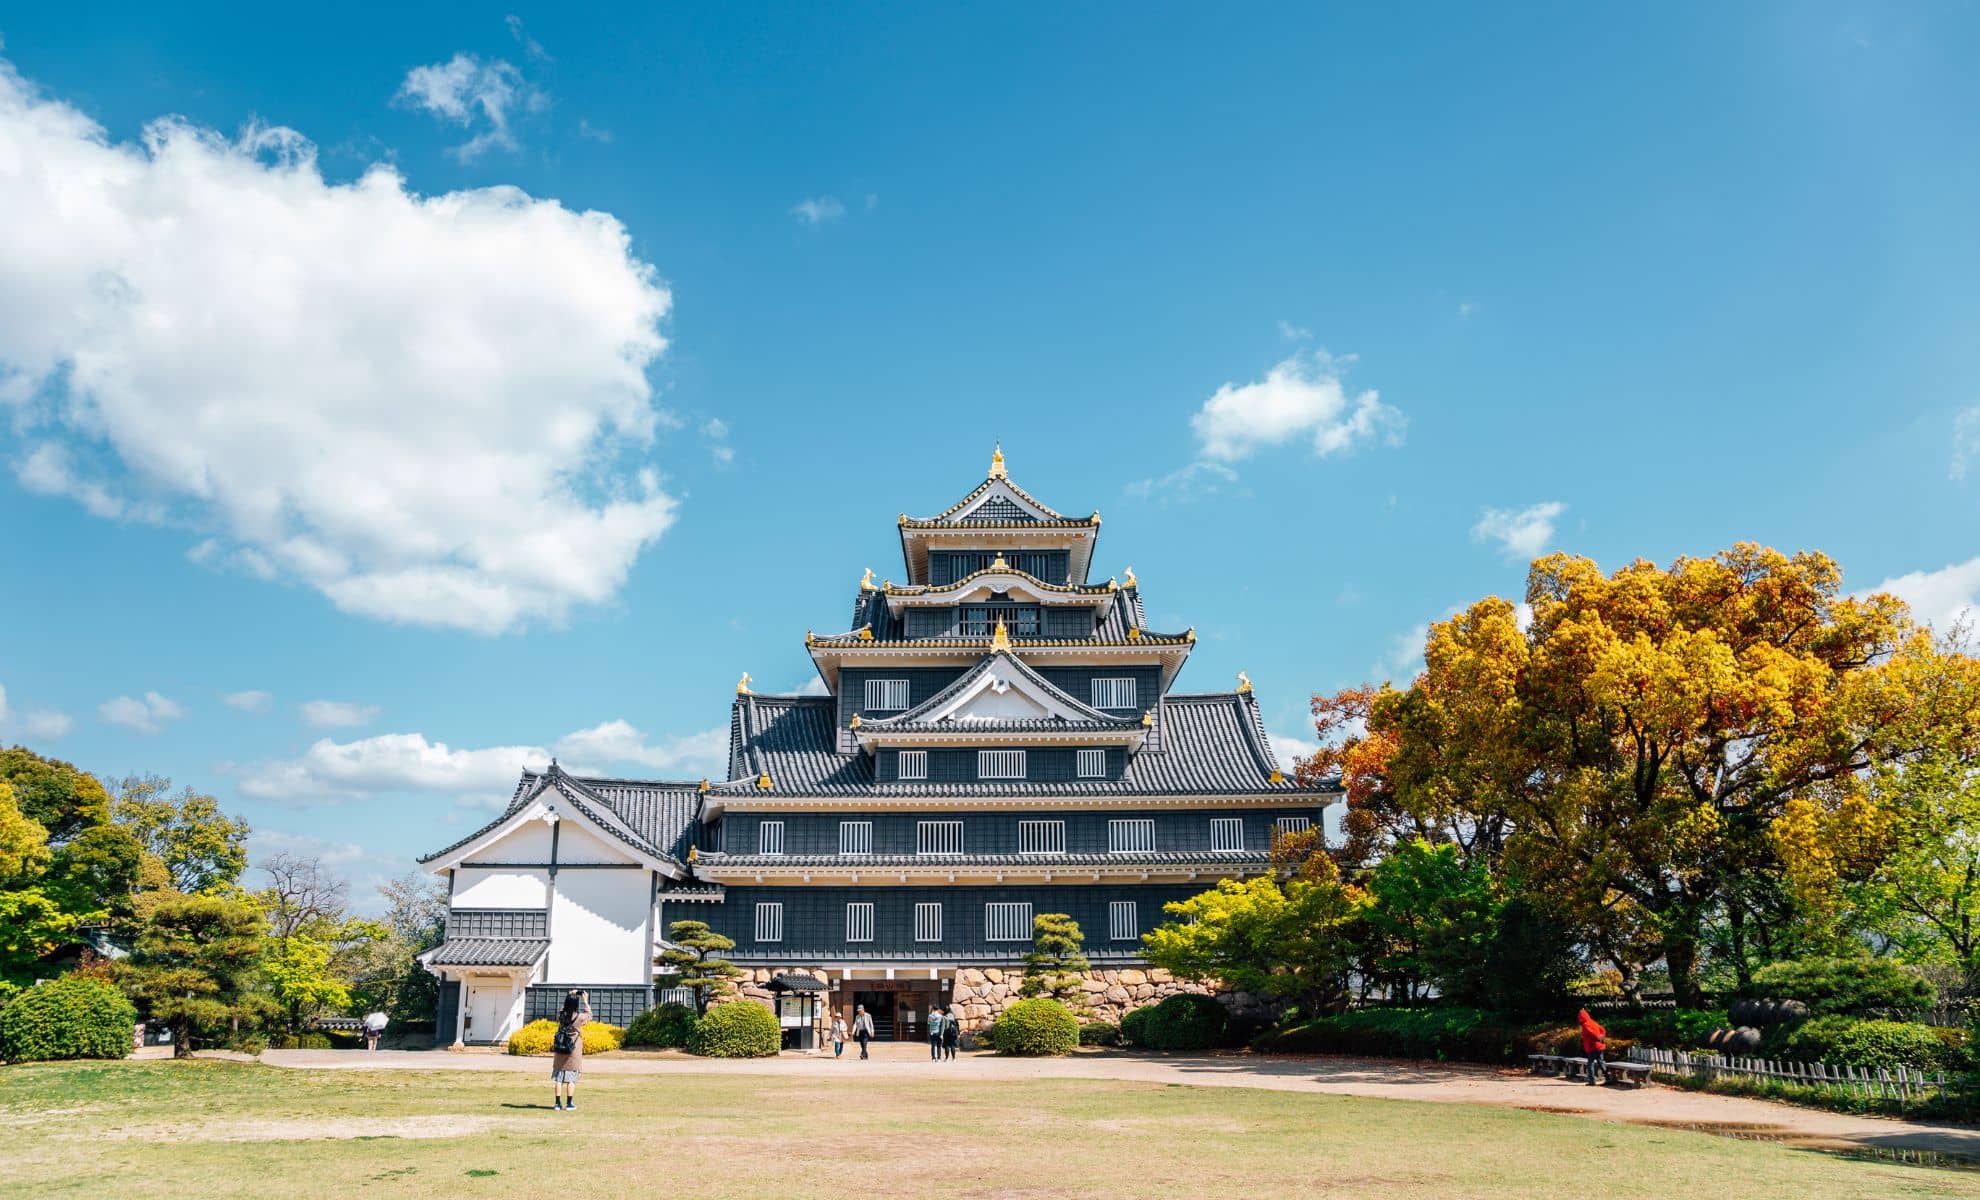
(336, 483)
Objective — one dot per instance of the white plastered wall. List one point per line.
(598, 927)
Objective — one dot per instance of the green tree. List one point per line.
(1429, 917)
(203, 849)
(23, 842)
(1924, 894)
(54, 794)
(95, 873)
(1290, 939)
(695, 953)
(1056, 964)
(387, 975)
(300, 975)
(32, 927)
(194, 966)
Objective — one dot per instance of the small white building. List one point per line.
(562, 890)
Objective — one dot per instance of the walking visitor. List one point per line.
(862, 1028)
(935, 1026)
(1594, 1040)
(838, 1034)
(567, 1049)
(951, 1032)
(374, 1028)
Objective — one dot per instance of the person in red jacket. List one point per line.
(1594, 1040)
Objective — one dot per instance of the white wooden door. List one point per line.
(486, 1008)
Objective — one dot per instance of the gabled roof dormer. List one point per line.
(1001, 698)
(997, 510)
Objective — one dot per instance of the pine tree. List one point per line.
(695, 952)
(1055, 965)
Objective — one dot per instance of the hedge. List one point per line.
(667, 1025)
(1134, 1026)
(1099, 1033)
(1844, 985)
(1845, 1042)
(70, 1017)
(738, 1029)
(1186, 1021)
(537, 1037)
(1465, 1034)
(1039, 1026)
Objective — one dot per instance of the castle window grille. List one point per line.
(914, 764)
(855, 837)
(1092, 764)
(928, 922)
(770, 922)
(859, 922)
(770, 837)
(1000, 764)
(886, 695)
(1226, 835)
(1113, 693)
(938, 837)
(1134, 835)
(1007, 922)
(1041, 837)
(1122, 924)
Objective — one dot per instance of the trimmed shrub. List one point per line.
(1134, 1026)
(738, 1029)
(1187, 1021)
(1035, 1027)
(1844, 1042)
(1844, 985)
(307, 1041)
(71, 1017)
(1464, 1034)
(538, 1037)
(666, 1026)
(1099, 1033)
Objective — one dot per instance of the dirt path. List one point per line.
(1435, 1082)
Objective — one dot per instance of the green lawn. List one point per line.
(209, 1129)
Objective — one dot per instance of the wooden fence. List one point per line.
(1900, 1083)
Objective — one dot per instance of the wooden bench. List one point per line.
(1635, 1074)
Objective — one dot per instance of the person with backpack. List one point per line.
(862, 1028)
(1594, 1040)
(951, 1032)
(567, 1049)
(935, 1035)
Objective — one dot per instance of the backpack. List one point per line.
(566, 1039)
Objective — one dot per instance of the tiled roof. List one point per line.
(655, 817)
(872, 615)
(917, 718)
(1211, 744)
(1158, 858)
(487, 952)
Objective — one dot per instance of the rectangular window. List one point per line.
(928, 922)
(981, 620)
(770, 922)
(1000, 764)
(1293, 824)
(1092, 764)
(1226, 834)
(914, 764)
(886, 695)
(1113, 693)
(1041, 837)
(859, 922)
(1122, 924)
(1007, 922)
(1135, 835)
(938, 837)
(770, 837)
(855, 837)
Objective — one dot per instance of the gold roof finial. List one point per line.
(866, 580)
(691, 854)
(1278, 776)
(1113, 584)
(763, 781)
(742, 685)
(704, 785)
(1000, 639)
(1148, 719)
(997, 462)
(1130, 577)
(1244, 684)
(866, 633)
(998, 563)
(855, 721)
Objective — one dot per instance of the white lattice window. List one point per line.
(855, 837)
(1122, 923)
(1000, 764)
(1293, 824)
(886, 695)
(1113, 693)
(928, 922)
(1226, 834)
(938, 837)
(859, 922)
(914, 764)
(1007, 922)
(770, 922)
(770, 837)
(1041, 837)
(1092, 764)
(1134, 835)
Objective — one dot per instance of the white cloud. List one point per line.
(1184, 483)
(250, 701)
(587, 130)
(1294, 333)
(46, 724)
(470, 93)
(1966, 441)
(617, 741)
(430, 409)
(530, 45)
(363, 868)
(148, 714)
(814, 686)
(390, 763)
(1521, 533)
(336, 714)
(1289, 748)
(818, 210)
(1405, 655)
(1300, 398)
(1946, 598)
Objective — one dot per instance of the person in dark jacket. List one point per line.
(951, 1032)
(862, 1028)
(1594, 1040)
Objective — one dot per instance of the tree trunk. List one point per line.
(182, 1040)
(1681, 957)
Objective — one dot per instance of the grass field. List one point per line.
(211, 1129)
